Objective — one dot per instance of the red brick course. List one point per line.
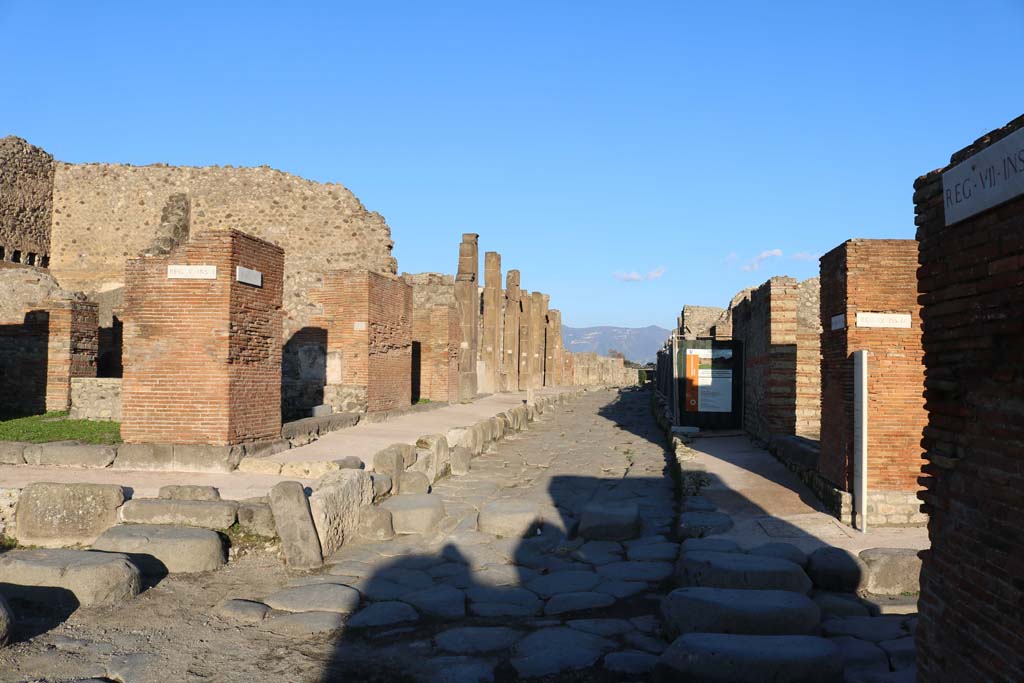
(971, 282)
(202, 358)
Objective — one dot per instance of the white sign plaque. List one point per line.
(839, 322)
(248, 276)
(891, 320)
(191, 272)
(359, 326)
(990, 177)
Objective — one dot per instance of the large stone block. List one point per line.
(189, 492)
(70, 454)
(417, 514)
(161, 549)
(207, 514)
(57, 515)
(439, 463)
(721, 610)
(299, 540)
(335, 506)
(737, 570)
(510, 518)
(178, 457)
(257, 519)
(58, 575)
(610, 521)
(727, 658)
(12, 452)
(836, 569)
(892, 571)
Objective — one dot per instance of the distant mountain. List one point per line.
(640, 344)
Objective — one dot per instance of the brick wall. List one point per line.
(971, 281)
(71, 349)
(369, 318)
(872, 276)
(435, 337)
(23, 364)
(26, 202)
(203, 356)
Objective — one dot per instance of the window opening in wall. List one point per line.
(16, 256)
(31, 259)
(45, 262)
(3, 252)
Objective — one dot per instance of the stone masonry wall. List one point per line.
(696, 321)
(26, 202)
(222, 386)
(95, 398)
(971, 283)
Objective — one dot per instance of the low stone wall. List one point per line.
(96, 398)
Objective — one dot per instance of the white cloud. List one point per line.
(634, 276)
(755, 264)
(805, 256)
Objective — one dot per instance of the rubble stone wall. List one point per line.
(971, 283)
(95, 398)
(26, 202)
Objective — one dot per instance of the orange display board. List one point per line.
(691, 402)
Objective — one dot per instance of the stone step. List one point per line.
(727, 610)
(207, 514)
(700, 523)
(416, 514)
(510, 518)
(737, 570)
(164, 549)
(58, 575)
(729, 658)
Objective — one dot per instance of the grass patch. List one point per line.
(55, 426)
(422, 401)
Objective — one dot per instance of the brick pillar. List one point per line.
(869, 301)
(490, 347)
(202, 349)
(467, 300)
(538, 316)
(525, 344)
(71, 350)
(971, 284)
(510, 328)
(368, 317)
(553, 367)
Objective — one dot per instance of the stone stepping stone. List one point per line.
(415, 514)
(860, 655)
(610, 521)
(552, 650)
(208, 514)
(294, 523)
(248, 611)
(892, 571)
(570, 581)
(459, 669)
(443, 602)
(737, 570)
(383, 614)
(630, 662)
(636, 571)
(875, 629)
(715, 545)
(575, 602)
(599, 552)
(655, 552)
(601, 627)
(783, 551)
(477, 639)
(304, 624)
(835, 569)
(325, 597)
(510, 518)
(902, 652)
(413, 578)
(728, 658)
(726, 610)
(699, 524)
(58, 575)
(159, 549)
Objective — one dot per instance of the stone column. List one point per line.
(553, 367)
(490, 346)
(525, 333)
(467, 300)
(510, 342)
(538, 316)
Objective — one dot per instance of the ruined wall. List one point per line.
(871, 277)
(589, 369)
(95, 398)
(696, 321)
(971, 282)
(71, 349)
(220, 387)
(26, 202)
(436, 334)
(808, 359)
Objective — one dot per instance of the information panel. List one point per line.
(709, 380)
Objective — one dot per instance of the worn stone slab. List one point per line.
(413, 483)
(494, 601)
(892, 571)
(13, 452)
(461, 459)
(601, 627)
(636, 571)
(256, 519)
(311, 469)
(178, 457)
(621, 589)
(459, 669)
(874, 629)
(247, 611)
(57, 515)
(699, 524)
(725, 610)
(324, 597)
(259, 466)
(441, 602)
(716, 545)
(727, 658)
(208, 514)
(784, 551)
(599, 552)
(654, 552)
(70, 454)
(836, 569)
(610, 521)
(510, 518)
(160, 549)
(575, 602)
(375, 523)
(571, 581)
(840, 604)
(189, 492)
(335, 505)
(630, 662)
(477, 639)
(294, 523)
(697, 504)
(93, 578)
(552, 650)
(417, 514)
(383, 614)
(737, 570)
(304, 624)
(860, 655)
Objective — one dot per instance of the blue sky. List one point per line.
(627, 157)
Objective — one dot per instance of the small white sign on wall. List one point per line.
(889, 320)
(191, 272)
(359, 326)
(248, 276)
(839, 322)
